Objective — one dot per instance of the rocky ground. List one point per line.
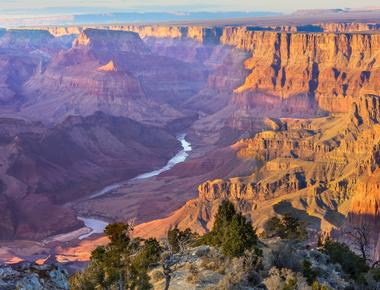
(205, 268)
(29, 276)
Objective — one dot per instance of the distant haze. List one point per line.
(55, 7)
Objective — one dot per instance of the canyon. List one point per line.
(281, 118)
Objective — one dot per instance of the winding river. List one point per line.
(97, 226)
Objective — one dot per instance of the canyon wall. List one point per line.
(200, 32)
(312, 68)
(330, 69)
(111, 40)
(350, 27)
(323, 170)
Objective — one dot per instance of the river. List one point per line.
(97, 226)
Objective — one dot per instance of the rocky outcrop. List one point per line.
(58, 31)
(111, 40)
(110, 66)
(364, 205)
(312, 168)
(367, 109)
(32, 276)
(207, 34)
(298, 73)
(114, 71)
(261, 190)
(329, 68)
(350, 27)
(22, 39)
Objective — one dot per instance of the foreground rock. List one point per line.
(205, 267)
(28, 276)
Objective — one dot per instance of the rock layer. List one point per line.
(322, 170)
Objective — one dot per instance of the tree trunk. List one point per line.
(167, 271)
(121, 281)
(167, 282)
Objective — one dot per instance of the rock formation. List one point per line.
(32, 276)
(44, 168)
(309, 73)
(22, 39)
(110, 67)
(330, 69)
(111, 40)
(322, 170)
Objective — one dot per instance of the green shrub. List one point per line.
(352, 264)
(291, 284)
(317, 286)
(308, 272)
(288, 227)
(375, 274)
(124, 261)
(149, 253)
(232, 232)
(178, 238)
(286, 256)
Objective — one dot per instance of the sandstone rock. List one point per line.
(331, 68)
(109, 40)
(312, 168)
(110, 66)
(31, 39)
(28, 276)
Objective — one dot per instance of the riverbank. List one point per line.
(97, 226)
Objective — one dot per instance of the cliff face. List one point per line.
(111, 40)
(306, 70)
(350, 27)
(314, 168)
(204, 33)
(329, 68)
(364, 205)
(298, 74)
(25, 38)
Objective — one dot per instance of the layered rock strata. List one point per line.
(319, 169)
